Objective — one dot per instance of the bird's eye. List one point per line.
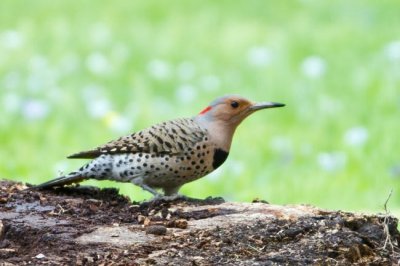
(234, 104)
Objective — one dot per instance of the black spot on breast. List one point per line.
(219, 158)
(160, 140)
(169, 145)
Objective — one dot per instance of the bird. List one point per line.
(169, 154)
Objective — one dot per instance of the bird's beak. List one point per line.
(264, 105)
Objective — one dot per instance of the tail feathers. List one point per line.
(61, 181)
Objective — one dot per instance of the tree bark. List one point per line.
(91, 226)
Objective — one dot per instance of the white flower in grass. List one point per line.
(236, 167)
(98, 108)
(313, 67)
(356, 136)
(214, 175)
(159, 69)
(98, 64)
(117, 123)
(11, 103)
(392, 50)
(35, 83)
(92, 91)
(186, 93)
(259, 56)
(11, 39)
(332, 161)
(281, 144)
(121, 124)
(100, 34)
(35, 110)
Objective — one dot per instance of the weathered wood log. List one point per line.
(91, 226)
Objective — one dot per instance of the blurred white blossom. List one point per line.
(356, 136)
(35, 110)
(11, 103)
(313, 67)
(332, 161)
(214, 175)
(41, 75)
(186, 93)
(98, 108)
(259, 56)
(117, 123)
(235, 167)
(96, 104)
(92, 91)
(100, 34)
(392, 50)
(11, 39)
(280, 144)
(98, 64)
(35, 83)
(159, 69)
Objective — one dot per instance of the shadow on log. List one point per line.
(91, 226)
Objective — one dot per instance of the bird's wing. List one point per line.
(172, 137)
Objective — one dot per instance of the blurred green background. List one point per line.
(75, 74)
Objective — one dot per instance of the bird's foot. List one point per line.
(168, 198)
(159, 199)
(174, 197)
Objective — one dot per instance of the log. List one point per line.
(92, 226)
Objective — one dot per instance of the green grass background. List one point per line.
(75, 74)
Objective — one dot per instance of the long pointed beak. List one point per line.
(264, 105)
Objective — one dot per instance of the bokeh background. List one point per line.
(75, 74)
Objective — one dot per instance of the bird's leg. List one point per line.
(139, 182)
(151, 190)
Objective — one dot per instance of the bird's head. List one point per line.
(230, 110)
(224, 114)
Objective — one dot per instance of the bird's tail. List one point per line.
(61, 181)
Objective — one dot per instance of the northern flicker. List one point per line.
(170, 154)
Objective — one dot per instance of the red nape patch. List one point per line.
(205, 110)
